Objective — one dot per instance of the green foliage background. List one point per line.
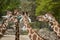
(8, 5)
(48, 5)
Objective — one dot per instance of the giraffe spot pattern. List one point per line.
(56, 29)
(59, 29)
(38, 38)
(34, 37)
(59, 26)
(59, 34)
(29, 36)
(31, 31)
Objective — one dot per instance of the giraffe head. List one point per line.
(52, 22)
(42, 18)
(47, 17)
(26, 21)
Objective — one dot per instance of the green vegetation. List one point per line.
(38, 25)
(24, 32)
(48, 5)
(8, 5)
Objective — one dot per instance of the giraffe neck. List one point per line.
(31, 33)
(16, 22)
(55, 26)
(4, 26)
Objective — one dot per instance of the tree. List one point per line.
(29, 6)
(8, 5)
(48, 5)
(43, 5)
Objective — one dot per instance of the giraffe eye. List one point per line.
(51, 23)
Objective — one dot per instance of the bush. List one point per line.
(38, 24)
(24, 32)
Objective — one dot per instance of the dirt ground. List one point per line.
(12, 37)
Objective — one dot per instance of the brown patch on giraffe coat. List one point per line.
(29, 36)
(31, 31)
(54, 23)
(59, 30)
(59, 26)
(28, 26)
(56, 29)
(59, 34)
(34, 37)
(3, 31)
(38, 38)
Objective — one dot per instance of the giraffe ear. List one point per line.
(22, 13)
(27, 14)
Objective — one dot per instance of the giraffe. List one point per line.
(48, 17)
(13, 18)
(33, 35)
(16, 23)
(10, 18)
(4, 24)
(3, 27)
